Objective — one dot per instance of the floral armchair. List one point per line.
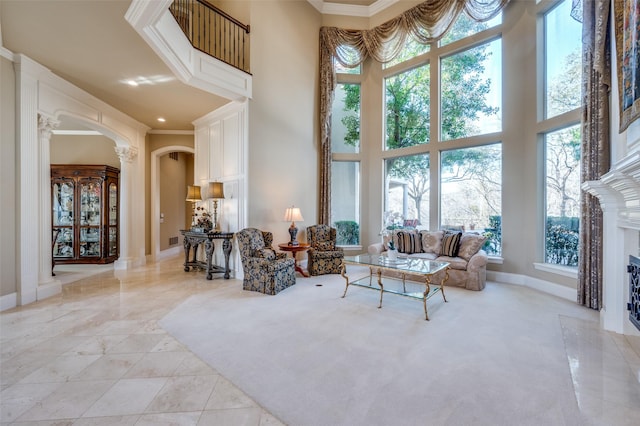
(265, 270)
(324, 256)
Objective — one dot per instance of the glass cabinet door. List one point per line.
(63, 203)
(89, 241)
(113, 219)
(90, 191)
(63, 216)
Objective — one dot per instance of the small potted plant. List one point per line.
(392, 252)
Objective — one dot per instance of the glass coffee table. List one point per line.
(401, 267)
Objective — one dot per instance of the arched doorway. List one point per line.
(155, 194)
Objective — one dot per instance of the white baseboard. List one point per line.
(50, 289)
(558, 290)
(8, 301)
(171, 252)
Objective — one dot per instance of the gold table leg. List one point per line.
(343, 272)
(428, 285)
(424, 296)
(444, 280)
(381, 287)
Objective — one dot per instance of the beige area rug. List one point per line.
(308, 356)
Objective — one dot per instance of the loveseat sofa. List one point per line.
(463, 250)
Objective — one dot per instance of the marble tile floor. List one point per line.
(95, 355)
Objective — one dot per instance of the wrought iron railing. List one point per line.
(213, 31)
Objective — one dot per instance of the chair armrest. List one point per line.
(376, 248)
(478, 261)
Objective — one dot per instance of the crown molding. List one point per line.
(171, 132)
(6, 53)
(329, 8)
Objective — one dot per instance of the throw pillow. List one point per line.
(265, 253)
(450, 244)
(470, 244)
(409, 242)
(431, 241)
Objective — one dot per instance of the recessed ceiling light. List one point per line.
(162, 120)
(132, 83)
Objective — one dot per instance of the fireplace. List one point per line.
(619, 194)
(634, 291)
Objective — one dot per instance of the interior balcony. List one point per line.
(155, 23)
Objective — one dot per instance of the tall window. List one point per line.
(471, 95)
(345, 201)
(464, 72)
(560, 132)
(345, 171)
(471, 192)
(407, 108)
(345, 119)
(563, 60)
(407, 182)
(562, 196)
(470, 178)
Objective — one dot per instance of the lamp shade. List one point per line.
(193, 193)
(292, 214)
(216, 190)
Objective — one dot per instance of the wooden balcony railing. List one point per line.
(213, 32)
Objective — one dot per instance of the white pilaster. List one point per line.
(45, 126)
(127, 156)
(27, 214)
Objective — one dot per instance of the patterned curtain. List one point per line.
(596, 82)
(426, 22)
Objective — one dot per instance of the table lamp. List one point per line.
(293, 215)
(215, 193)
(193, 195)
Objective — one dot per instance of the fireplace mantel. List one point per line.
(619, 191)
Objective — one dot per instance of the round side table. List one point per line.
(295, 249)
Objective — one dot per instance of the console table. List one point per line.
(192, 240)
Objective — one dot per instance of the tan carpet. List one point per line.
(308, 356)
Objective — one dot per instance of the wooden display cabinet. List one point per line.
(84, 202)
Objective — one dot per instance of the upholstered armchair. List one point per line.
(265, 270)
(324, 256)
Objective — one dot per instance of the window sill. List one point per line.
(566, 271)
(496, 260)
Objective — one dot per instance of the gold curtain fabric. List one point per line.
(426, 22)
(596, 82)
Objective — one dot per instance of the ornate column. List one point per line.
(127, 155)
(45, 127)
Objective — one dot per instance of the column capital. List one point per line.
(46, 124)
(126, 154)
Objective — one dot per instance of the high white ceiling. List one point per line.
(90, 44)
